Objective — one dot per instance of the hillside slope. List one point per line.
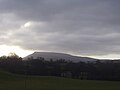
(10, 81)
(56, 56)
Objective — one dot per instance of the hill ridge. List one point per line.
(57, 55)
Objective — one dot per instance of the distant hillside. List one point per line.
(56, 56)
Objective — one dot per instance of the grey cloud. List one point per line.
(86, 27)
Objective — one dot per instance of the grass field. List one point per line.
(16, 82)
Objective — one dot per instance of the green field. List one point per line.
(16, 82)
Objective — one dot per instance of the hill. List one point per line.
(57, 56)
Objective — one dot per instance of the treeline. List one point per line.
(81, 70)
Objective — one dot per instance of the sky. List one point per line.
(78, 27)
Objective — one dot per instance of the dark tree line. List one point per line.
(81, 70)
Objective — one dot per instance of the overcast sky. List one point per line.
(79, 27)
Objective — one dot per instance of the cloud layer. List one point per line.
(82, 27)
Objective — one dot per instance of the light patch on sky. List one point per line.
(28, 24)
(5, 50)
(110, 56)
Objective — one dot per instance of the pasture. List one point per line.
(10, 81)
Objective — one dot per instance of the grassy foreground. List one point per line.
(15, 82)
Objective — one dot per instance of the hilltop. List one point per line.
(56, 56)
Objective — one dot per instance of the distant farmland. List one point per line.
(16, 82)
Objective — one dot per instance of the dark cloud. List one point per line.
(84, 27)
